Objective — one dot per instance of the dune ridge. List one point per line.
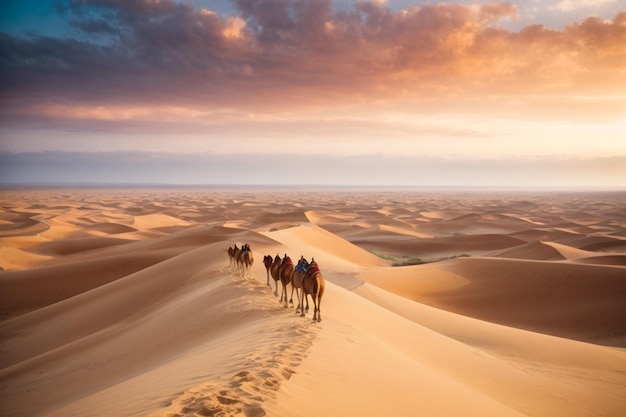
(123, 304)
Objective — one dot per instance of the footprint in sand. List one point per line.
(261, 374)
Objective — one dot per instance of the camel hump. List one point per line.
(313, 269)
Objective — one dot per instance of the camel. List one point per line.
(235, 256)
(313, 283)
(285, 273)
(274, 272)
(245, 260)
(268, 261)
(231, 255)
(296, 283)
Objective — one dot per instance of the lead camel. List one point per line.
(313, 284)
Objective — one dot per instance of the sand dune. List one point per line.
(70, 246)
(314, 241)
(428, 357)
(16, 223)
(14, 258)
(617, 260)
(535, 250)
(153, 221)
(439, 247)
(582, 302)
(124, 304)
(26, 290)
(110, 228)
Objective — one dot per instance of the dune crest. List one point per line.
(117, 302)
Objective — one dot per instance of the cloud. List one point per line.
(297, 55)
(493, 12)
(571, 5)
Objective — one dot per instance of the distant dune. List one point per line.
(122, 302)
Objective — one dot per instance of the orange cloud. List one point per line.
(280, 55)
(378, 53)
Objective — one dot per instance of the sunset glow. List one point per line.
(451, 81)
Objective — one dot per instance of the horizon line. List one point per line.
(225, 186)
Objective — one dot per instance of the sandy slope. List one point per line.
(579, 301)
(122, 303)
(400, 358)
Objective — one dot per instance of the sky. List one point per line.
(344, 92)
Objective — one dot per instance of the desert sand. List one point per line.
(121, 302)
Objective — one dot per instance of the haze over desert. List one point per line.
(438, 302)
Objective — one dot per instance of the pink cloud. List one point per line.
(288, 55)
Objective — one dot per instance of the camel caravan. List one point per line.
(304, 277)
(241, 260)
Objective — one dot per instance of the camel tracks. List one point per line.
(257, 373)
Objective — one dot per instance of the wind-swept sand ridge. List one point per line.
(584, 302)
(124, 304)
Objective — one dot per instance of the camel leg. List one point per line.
(276, 290)
(286, 305)
(305, 295)
(314, 308)
(291, 298)
(268, 277)
(299, 295)
(319, 308)
(286, 291)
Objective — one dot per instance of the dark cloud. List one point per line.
(270, 20)
(95, 26)
(159, 46)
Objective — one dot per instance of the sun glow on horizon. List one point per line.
(383, 78)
